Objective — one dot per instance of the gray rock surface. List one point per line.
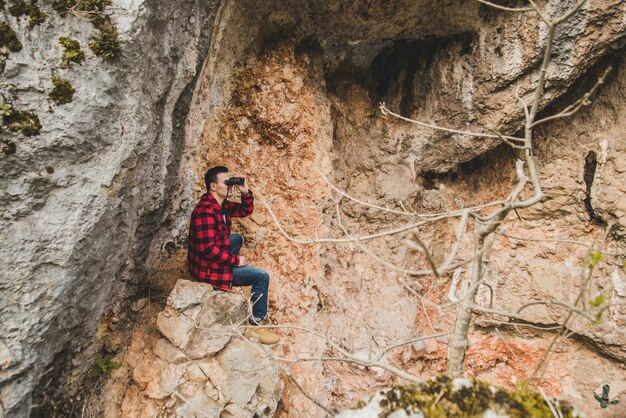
(202, 379)
(200, 321)
(80, 201)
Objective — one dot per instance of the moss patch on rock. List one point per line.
(62, 7)
(105, 44)
(8, 39)
(31, 10)
(443, 397)
(72, 53)
(15, 120)
(63, 92)
(7, 148)
(81, 7)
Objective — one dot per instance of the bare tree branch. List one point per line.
(578, 104)
(385, 111)
(508, 9)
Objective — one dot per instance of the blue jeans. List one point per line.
(251, 276)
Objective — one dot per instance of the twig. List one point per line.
(305, 393)
(385, 111)
(578, 104)
(549, 403)
(508, 9)
(512, 352)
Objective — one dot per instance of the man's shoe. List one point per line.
(262, 335)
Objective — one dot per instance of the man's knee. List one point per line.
(264, 277)
(236, 240)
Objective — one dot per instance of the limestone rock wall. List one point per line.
(81, 199)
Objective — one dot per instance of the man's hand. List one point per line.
(242, 261)
(243, 188)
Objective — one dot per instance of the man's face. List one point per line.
(220, 188)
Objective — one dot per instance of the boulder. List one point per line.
(202, 367)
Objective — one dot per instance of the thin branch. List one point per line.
(522, 102)
(351, 357)
(538, 11)
(564, 325)
(385, 111)
(545, 398)
(414, 340)
(435, 215)
(361, 202)
(305, 393)
(395, 231)
(512, 352)
(570, 13)
(578, 104)
(421, 246)
(366, 250)
(557, 304)
(455, 282)
(508, 9)
(517, 315)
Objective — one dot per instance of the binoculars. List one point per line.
(234, 181)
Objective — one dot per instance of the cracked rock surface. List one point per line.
(199, 365)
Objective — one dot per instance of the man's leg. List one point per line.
(259, 280)
(236, 241)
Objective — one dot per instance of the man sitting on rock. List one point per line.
(213, 253)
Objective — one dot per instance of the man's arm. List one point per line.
(243, 209)
(205, 226)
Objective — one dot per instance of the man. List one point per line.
(213, 253)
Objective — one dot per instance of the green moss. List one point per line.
(8, 38)
(63, 92)
(32, 10)
(72, 54)
(62, 7)
(438, 398)
(18, 120)
(104, 365)
(87, 8)
(94, 6)
(7, 147)
(105, 44)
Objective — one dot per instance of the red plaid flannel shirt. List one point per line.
(208, 249)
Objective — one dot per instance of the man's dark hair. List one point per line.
(211, 175)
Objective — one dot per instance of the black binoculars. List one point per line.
(234, 181)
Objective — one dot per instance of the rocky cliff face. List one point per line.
(289, 92)
(82, 197)
(200, 366)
